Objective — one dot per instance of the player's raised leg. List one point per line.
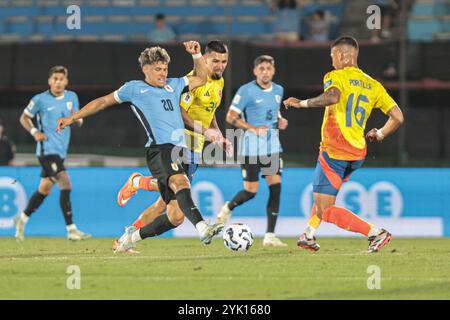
(135, 182)
(328, 178)
(45, 186)
(273, 208)
(161, 224)
(145, 218)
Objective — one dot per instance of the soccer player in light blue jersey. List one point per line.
(52, 147)
(256, 109)
(155, 102)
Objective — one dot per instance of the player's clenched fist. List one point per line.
(63, 122)
(375, 135)
(192, 47)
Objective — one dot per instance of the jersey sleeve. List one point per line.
(33, 107)
(332, 80)
(187, 99)
(239, 101)
(384, 101)
(184, 84)
(124, 93)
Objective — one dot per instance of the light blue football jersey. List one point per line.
(158, 109)
(47, 109)
(259, 107)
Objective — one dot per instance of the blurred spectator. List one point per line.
(389, 9)
(319, 27)
(162, 32)
(287, 23)
(7, 149)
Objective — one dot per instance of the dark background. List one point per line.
(96, 69)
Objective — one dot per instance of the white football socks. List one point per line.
(310, 231)
(71, 227)
(136, 181)
(24, 218)
(201, 227)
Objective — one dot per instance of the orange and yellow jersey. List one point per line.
(344, 122)
(201, 104)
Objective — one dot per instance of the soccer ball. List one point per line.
(238, 237)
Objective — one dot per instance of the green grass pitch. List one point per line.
(174, 268)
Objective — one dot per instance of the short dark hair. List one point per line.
(264, 58)
(58, 69)
(347, 40)
(216, 46)
(160, 16)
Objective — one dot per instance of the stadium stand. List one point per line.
(429, 20)
(22, 20)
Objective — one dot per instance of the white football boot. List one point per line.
(77, 235)
(270, 240)
(224, 215)
(125, 243)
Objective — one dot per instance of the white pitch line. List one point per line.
(152, 257)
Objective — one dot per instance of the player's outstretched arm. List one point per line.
(91, 108)
(235, 120)
(327, 98)
(392, 124)
(200, 74)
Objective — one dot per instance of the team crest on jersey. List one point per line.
(168, 88)
(69, 105)
(278, 98)
(207, 94)
(30, 105)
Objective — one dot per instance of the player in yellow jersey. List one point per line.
(349, 96)
(198, 106)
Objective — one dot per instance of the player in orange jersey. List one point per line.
(349, 96)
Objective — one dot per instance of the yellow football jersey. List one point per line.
(201, 104)
(344, 122)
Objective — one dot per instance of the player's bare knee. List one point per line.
(175, 215)
(44, 191)
(179, 182)
(160, 205)
(177, 219)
